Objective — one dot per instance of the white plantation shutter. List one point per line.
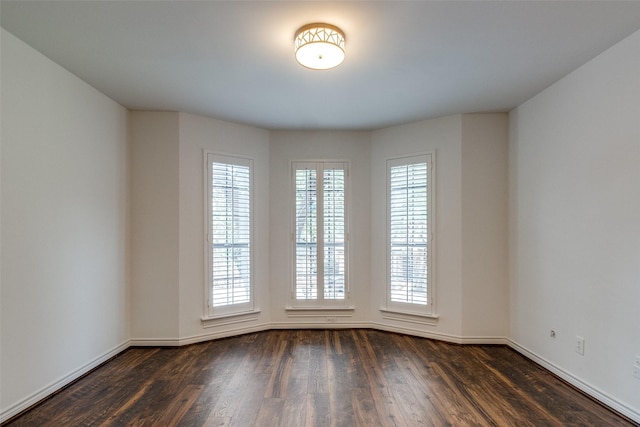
(409, 230)
(306, 234)
(320, 231)
(230, 188)
(334, 233)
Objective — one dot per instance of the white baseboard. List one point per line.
(209, 336)
(319, 325)
(154, 342)
(214, 335)
(580, 384)
(417, 332)
(455, 339)
(53, 387)
(311, 324)
(485, 340)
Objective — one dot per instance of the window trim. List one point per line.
(220, 313)
(428, 310)
(319, 303)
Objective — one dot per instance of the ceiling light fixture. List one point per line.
(319, 46)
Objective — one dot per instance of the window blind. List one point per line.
(334, 234)
(306, 234)
(408, 233)
(230, 234)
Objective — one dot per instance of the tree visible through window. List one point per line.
(320, 231)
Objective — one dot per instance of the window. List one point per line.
(409, 233)
(320, 233)
(229, 234)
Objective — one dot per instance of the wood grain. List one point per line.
(320, 378)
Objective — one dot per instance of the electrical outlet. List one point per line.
(331, 320)
(579, 345)
(636, 371)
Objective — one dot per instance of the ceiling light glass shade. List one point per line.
(319, 46)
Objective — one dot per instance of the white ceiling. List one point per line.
(405, 60)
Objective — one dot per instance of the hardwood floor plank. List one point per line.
(364, 408)
(217, 422)
(145, 406)
(508, 402)
(332, 342)
(421, 391)
(294, 410)
(317, 410)
(116, 417)
(377, 382)
(179, 406)
(320, 378)
(412, 414)
(271, 341)
(270, 412)
(229, 400)
(279, 380)
(295, 404)
(340, 385)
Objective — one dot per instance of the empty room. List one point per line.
(352, 213)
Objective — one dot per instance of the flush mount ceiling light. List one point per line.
(319, 46)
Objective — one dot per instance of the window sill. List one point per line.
(302, 311)
(230, 318)
(406, 316)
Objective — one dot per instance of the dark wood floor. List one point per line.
(320, 378)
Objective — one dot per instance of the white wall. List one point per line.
(444, 137)
(65, 179)
(485, 139)
(575, 225)
(197, 134)
(168, 239)
(168, 219)
(155, 221)
(470, 260)
(286, 146)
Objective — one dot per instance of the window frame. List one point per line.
(319, 302)
(211, 311)
(428, 309)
